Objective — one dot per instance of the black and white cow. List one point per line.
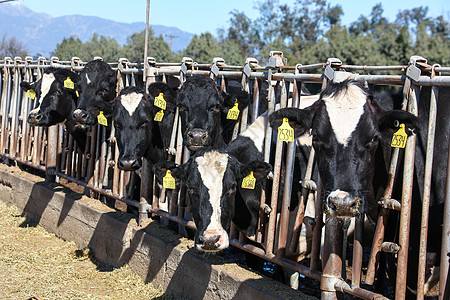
(348, 127)
(212, 178)
(138, 135)
(97, 87)
(56, 98)
(203, 109)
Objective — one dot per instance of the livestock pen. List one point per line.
(54, 151)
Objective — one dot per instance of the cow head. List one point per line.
(134, 114)
(202, 103)
(347, 126)
(97, 85)
(212, 177)
(55, 99)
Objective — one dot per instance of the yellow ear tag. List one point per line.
(31, 94)
(249, 181)
(285, 131)
(68, 83)
(233, 113)
(160, 102)
(399, 138)
(102, 119)
(159, 116)
(169, 181)
(76, 93)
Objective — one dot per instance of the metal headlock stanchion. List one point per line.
(51, 151)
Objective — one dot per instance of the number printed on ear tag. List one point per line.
(102, 119)
(31, 94)
(233, 113)
(159, 116)
(249, 181)
(68, 83)
(399, 138)
(285, 131)
(160, 101)
(169, 181)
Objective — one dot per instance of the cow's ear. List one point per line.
(160, 169)
(25, 85)
(156, 88)
(230, 99)
(299, 119)
(389, 122)
(260, 169)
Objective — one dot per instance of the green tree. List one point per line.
(203, 48)
(70, 47)
(107, 48)
(158, 48)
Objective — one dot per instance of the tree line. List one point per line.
(308, 31)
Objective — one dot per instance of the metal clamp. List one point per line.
(185, 62)
(250, 63)
(151, 61)
(98, 58)
(123, 64)
(276, 59)
(217, 63)
(75, 62)
(332, 64)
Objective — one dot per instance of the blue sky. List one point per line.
(198, 16)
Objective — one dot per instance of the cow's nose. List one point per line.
(129, 164)
(197, 136)
(34, 118)
(209, 242)
(341, 203)
(80, 116)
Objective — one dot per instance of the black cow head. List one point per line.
(55, 96)
(347, 126)
(136, 131)
(202, 104)
(97, 86)
(212, 177)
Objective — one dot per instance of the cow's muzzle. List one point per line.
(342, 204)
(129, 164)
(80, 116)
(212, 242)
(197, 139)
(35, 118)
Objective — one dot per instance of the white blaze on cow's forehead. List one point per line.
(46, 83)
(345, 110)
(212, 166)
(131, 101)
(87, 79)
(256, 131)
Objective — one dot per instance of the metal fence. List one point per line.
(54, 151)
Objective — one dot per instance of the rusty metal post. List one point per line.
(405, 213)
(52, 152)
(426, 193)
(357, 250)
(444, 282)
(332, 258)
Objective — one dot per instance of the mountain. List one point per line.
(40, 32)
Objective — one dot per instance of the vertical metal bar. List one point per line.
(287, 189)
(444, 282)
(357, 250)
(405, 213)
(427, 192)
(332, 258)
(146, 66)
(52, 149)
(317, 231)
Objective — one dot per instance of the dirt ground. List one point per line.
(35, 264)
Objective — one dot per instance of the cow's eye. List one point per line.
(215, 108)
(182, 107)
(57, 93)
(102, 93)
(144, 125)
(191, 191)
(372, 142)
(231, 190)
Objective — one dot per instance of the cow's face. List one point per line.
(347, 127)
(55, 102)
(211, 178)
(97, 85)
(201, 103)
(133, 124)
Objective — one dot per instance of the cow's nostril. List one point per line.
(332, 206)
(38, 117)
